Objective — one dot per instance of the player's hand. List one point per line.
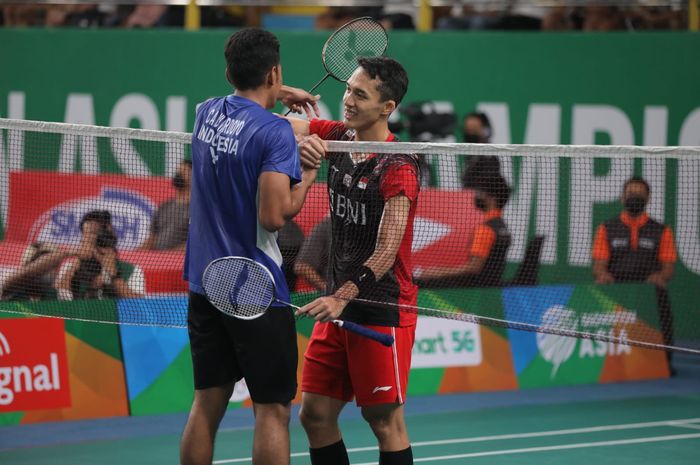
(298, 101)
(324, 309)
(312, 149)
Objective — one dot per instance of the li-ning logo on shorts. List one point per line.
(381, 388)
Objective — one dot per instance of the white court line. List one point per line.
(581, 445)
(685, 425)
(592, 429)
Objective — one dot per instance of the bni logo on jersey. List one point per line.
(33, 365)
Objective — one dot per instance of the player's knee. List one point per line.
(312, 418)
(384, 425)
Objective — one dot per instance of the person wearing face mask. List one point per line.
(170, 222)
(487, 257)
(477, 130)
(632, 247)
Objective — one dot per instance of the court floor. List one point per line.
(648, 430)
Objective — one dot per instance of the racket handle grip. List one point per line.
(384, 339)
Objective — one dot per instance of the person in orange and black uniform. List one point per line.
(632, 247)
(487, 259)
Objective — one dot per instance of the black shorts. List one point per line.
(226, 349)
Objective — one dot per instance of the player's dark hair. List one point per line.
(393, 77)
(250, 54)
(637, 180)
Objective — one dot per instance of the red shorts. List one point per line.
(341, 364)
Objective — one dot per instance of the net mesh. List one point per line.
(363, 37)
(98, 213)
(238, 287)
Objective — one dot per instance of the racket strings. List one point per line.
(361, 38)
(238, 287)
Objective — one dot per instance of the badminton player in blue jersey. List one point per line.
(247, 180)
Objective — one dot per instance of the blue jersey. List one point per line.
(233, 142)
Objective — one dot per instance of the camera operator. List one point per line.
(97, 273)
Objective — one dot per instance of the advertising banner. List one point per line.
(53, 369)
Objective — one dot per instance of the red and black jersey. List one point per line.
(357, 193)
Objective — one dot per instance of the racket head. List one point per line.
(239, 287)
(361, 37)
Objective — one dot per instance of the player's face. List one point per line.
(362, 103)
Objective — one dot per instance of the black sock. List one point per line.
(400, 457)
(334, 454)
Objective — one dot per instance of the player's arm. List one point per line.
(391, 232)
(278, 203)
(299, 100)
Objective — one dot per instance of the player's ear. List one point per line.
(274, 76)
(228, 76)
(389, 107)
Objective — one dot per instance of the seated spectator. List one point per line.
(487, 258)
(632, 247)
(98, 273)
(171, 220)
(476, 128)
(312, 261)
(33, 280)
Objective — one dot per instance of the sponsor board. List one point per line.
(33, 365)
(446, 343)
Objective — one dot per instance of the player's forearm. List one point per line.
(391, 232)
(298, 195)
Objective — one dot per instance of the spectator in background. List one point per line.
(603, 18)
(312, 261)
(99, 273)
(149, 15)
(632, 247)
(171, 220)
(476, 128)
(487, 258)
(33, 280)
(23, 15)
(335, 16)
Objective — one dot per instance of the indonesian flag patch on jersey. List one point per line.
(362, 183)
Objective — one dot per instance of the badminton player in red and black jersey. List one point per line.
(372, 201)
